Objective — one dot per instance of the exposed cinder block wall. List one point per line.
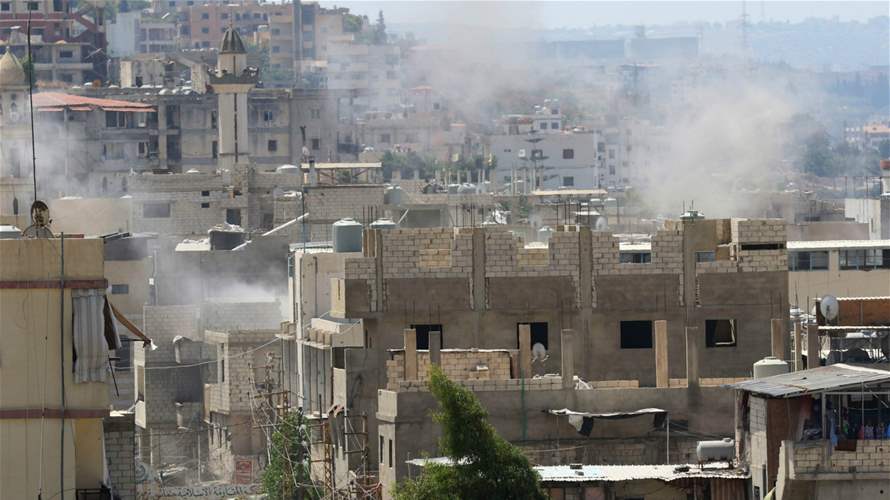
(120, 453)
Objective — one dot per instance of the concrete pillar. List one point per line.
(525, 351)
(662, 375)
(777, 336)
(692, 353)
(798, 359)
(814, 347)
(410, 354)
(435, 348)
(568, 358)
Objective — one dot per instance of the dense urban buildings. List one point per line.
(240, 243)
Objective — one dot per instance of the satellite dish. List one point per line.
(829, 306)
(539, 352)
(600, 224)
(40, 222)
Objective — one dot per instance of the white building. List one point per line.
(548, 160)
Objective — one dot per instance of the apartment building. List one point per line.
(47, 284)
(715, 284)
(849, 268)
(527, 162)
(71, 37)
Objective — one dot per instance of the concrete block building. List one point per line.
(698, 311)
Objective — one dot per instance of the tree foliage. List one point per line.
(484, 465)
(287, 475)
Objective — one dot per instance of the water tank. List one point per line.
(544, 234)
(715, 451)
(347, 236)
(384, 224)
(393, 196)
(452, 188)
(288, 169)
(466, 188)
(769, 366)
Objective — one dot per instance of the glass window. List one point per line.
(808, 261)
(272, 146)
(852, 259)
(568, 154)
(120, 289)
(568, 181)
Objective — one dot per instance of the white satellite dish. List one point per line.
(601, 224)
(539, 352)
(829, 306)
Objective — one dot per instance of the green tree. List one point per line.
(28, 67)
(484, 465)
(817, 157)
(287, 475)
(380, 29)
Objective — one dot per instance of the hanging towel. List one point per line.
(90, 344)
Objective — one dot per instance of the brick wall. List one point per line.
(330, 203)
(870, 456)
(457, 365)
(120, 452)
(228, 316)
(758, 230)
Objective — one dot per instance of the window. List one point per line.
(205, 205)
(720, 332)
(214, 149)
(384, 138)
(380, 451)
(554, 125)
(704, 256)
(268, 115)
(423, 335)
(611, 154)
(568, 154)
(808, 261)
(224, 15)
(272, 146)
(156, 210)
(66, 54)
(233, 216)
(214, 120)
(543, 126)
(316, 144)
(205, 15)
(611, 169)
(205, 30)
(205, 193)
(33, 5)
(121, 289)
(115, 119)
(872, 258)
(315, 113)
(636, 334)
(5, 6)
(568, 181)
(539, 334)
(390, 453)
(257, 15)
(276, 49)
(635, 257)
(276, 31)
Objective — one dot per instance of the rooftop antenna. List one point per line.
(30, 77)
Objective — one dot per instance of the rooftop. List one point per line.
(616, 473)
(832, 377)
(58, 101)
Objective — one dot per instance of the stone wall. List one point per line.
(120, 453)
(758, 230)
(331, 203)
(230, 316)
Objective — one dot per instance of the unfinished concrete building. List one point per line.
(699, 312)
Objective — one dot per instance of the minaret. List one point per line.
(232, 82)
(16, 190)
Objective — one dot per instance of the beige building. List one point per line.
(51, 405)
(849, 268)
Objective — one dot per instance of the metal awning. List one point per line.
(825, 378)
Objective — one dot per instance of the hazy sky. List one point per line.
(555, 14)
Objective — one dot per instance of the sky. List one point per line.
(552, 14)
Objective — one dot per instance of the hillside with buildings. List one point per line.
(239, 241)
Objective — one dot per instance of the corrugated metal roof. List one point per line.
(832, 377)
(832, 244)
(618, 473)
(56, 100)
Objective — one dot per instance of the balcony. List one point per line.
(819, 461)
